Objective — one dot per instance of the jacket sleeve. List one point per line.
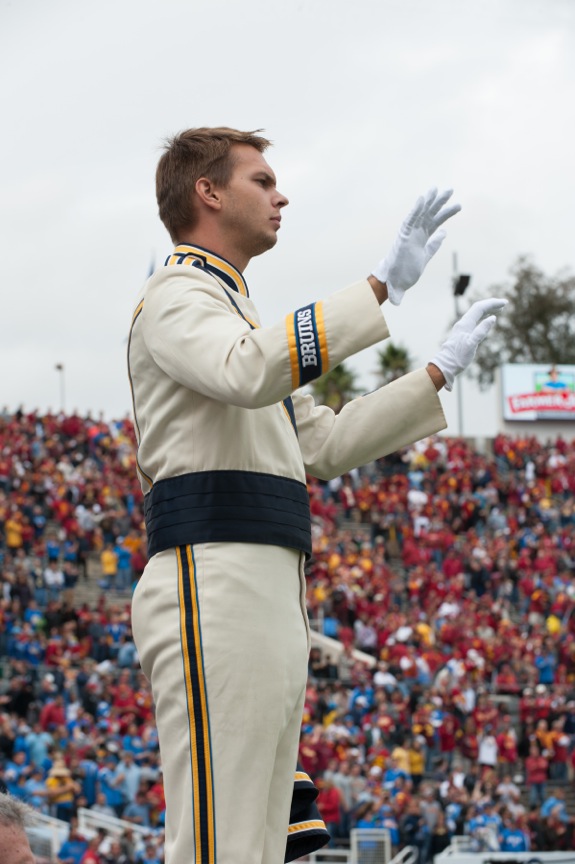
(369, 427)
(203, 339)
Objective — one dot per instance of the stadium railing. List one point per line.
(47, 835)
(89, 821)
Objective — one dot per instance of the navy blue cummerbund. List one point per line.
(228, 507)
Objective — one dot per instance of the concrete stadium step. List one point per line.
(90, 591)
(565, 785)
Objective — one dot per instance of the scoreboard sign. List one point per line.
(538, 391)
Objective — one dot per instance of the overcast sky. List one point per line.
(368, 104)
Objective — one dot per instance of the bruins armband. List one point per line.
(307, 344)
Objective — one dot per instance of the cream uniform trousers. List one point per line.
(227, 659)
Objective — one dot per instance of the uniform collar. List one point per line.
(197, 256)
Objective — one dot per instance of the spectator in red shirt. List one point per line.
(330, 805)
(507, 745)
(536, 775)
(53, 714)
(91, 855)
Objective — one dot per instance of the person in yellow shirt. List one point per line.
(416, 761)
(62, 789)
(544, 736)
(425, 632)
(14, 530)
(401, 756)
(109, 565)
(553, 624)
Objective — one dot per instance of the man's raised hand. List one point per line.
(459, 348)
(417, 241)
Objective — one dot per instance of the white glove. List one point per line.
(418, 240)
(459, 348)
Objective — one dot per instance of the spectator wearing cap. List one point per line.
(392, 773)
(62, 790)
(361, 700)
(482, 834)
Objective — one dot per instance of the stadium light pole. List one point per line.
(60, 368)
(460, 284)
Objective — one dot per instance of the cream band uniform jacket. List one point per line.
(224, 443)
(213, 405)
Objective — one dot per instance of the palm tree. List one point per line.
(336, 387)
(394, 361)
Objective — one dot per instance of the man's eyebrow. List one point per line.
(261, 172)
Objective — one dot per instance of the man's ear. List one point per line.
(208, 193)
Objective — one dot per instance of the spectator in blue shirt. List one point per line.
(150, 855)
(555, 803)
(111, 784)
(73, 848)
(35, 792)
(512, 838)
(88, 772)
(138, 811)
(546, 662)
(124, 572)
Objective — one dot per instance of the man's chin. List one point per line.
(265, 243)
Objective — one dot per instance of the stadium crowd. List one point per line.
(447, 705)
